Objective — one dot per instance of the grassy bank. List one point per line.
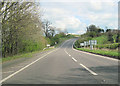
(110, 53)
(101, 39)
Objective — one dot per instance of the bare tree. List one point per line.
(49, 30)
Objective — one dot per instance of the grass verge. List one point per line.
(23, 55)
(114, 54)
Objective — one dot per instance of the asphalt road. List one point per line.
(63, 65)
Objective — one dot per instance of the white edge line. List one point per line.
(89, 70)
(25, 67)
(94, 54)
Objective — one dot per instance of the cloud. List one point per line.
(75, 16)
(76, 0)
(61, 18)
(96, 5)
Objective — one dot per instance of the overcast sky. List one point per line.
(76, 15)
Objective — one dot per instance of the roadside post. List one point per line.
(87, 43)
(91, 44)
(84, 45)
(95, 43)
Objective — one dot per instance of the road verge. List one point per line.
(113, 54)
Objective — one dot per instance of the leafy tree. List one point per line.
(94, 31)
(108, 30)
(114, 38)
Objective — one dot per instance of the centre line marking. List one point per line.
(89, 70)
(74, 59)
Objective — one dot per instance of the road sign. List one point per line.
(48, 45)
(95, 42)
(81, 44)
(92, 42)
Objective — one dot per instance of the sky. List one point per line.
(75, 15)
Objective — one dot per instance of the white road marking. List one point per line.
(25, 67)
(70, 55)
(74, 59)
(89, 70)
(66, 51)
(8, 72)
(94, 54)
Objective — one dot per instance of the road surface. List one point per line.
(63, 65)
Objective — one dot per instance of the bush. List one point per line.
(70, 36)
(108, 46)
(30, 46)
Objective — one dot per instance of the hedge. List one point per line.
(108, 46)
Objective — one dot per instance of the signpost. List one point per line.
(84, 44)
